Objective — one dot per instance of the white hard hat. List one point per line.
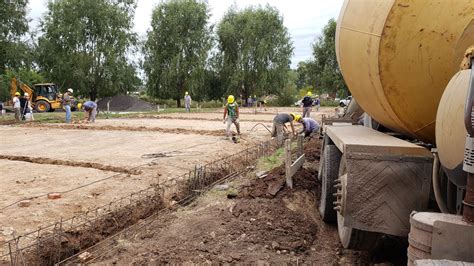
(70, 90)
(26, 94)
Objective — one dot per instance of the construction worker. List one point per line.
(187, 102)
(317, 103)
(231, 111)
(17, 106)
(310, 126)
(307, 103)
(67, 104)
(90, 108)
(249, 101)
(279, 126)
(26, 110)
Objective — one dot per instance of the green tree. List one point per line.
(255, 51)
(85, 45)
(14, 53)
(323, 70)
(177, 48)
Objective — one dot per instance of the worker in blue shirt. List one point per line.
(90, 108)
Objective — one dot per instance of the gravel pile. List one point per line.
(124, 103)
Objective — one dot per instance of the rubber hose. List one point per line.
(436, 186)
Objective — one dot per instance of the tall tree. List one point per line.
(13, 26)
(323, 69)
(255, 50)
(85, 45)
(177, 48)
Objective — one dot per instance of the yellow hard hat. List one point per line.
(17, 94)
(230, 99)
(186, 93)
(309, 93)
(298, 118)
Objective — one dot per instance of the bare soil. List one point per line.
(94, 164)
(92, 167)
(254, 227)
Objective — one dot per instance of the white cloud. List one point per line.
(303, 18)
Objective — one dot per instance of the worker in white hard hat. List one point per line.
(16, 106)
(187, 102)
(231, 116)
(67, 104)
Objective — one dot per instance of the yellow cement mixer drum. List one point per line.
(398, 56)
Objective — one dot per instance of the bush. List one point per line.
(329, 103)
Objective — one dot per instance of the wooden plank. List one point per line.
(289, 180)
(297, 165)
(299, 150)
(366, 140)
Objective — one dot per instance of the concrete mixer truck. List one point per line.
(397, 58)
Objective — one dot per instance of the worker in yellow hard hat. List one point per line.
(307, 103)
(17, 106)
(231, 116)
(310, 126)
(187, 102)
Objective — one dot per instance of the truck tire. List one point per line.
(321, 158)
(330, 172)
(352, 238)
(42, 106)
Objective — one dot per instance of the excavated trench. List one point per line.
(43, 160)
(50, 246)
(129, 128)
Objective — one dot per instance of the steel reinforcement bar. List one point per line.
(62, 239)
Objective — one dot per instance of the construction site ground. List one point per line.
(91, 165)
(241, 222)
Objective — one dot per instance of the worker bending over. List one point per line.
(279, 126)
(310, 126)
(90, 108)
(231, 110)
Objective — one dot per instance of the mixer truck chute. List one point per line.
(397, 58)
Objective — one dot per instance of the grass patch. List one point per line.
(267, 163)
(59, 117)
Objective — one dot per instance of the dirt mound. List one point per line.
(124, 103)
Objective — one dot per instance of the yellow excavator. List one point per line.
(45, 97)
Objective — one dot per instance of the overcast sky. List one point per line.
(303, 18)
